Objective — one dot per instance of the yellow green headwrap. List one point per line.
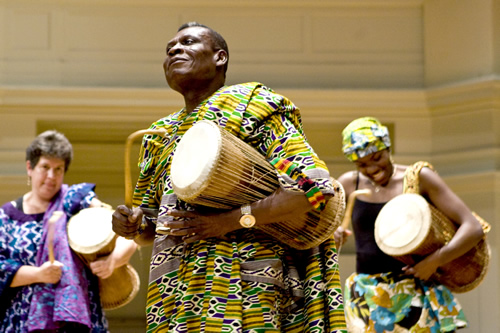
(364, 136)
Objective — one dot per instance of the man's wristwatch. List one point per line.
(247, 220)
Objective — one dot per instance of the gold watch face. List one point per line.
(247, 221)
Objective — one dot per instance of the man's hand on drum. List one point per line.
(193, 226)
(424, 269)
(126, 221)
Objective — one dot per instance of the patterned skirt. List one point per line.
(246, 283)
(389, 303)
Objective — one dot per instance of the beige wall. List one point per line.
(121, 43)
(461, 39)
(429, 69)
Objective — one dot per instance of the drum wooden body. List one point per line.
(91, 236)
(213, 168)
(409, 228)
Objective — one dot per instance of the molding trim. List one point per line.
(232, 3)
(466, 96)
(481, 182)
(316, 104)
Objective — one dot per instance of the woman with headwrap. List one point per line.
(385, 295)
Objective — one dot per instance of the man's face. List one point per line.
(190, 55)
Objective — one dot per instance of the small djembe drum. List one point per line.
(91, 235)
(408, 228)
(213, 168)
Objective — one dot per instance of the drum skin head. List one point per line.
(90, 230)
(195, 158)
(402, 224)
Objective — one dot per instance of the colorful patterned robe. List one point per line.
(21, 236)
(248, 281)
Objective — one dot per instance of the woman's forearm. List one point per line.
(24, 276)
(123, 251)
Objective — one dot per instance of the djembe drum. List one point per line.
(213, 168)
(408, 228)
(91, 236)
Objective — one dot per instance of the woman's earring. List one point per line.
(29, 181)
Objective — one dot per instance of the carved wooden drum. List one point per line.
(408, 228)
(213, 168)
(90, 235)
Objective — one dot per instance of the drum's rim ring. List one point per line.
(388, 210)
(136, 283)
(92, 248)
(186, 193)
